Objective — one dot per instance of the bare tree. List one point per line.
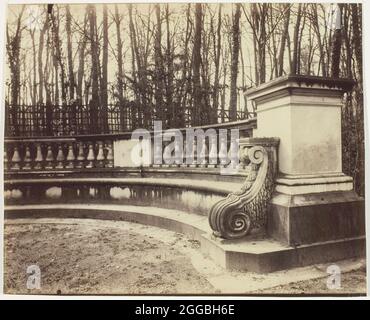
(40, 58)
(81, 59)
(257, 21)
(120, 76)
(197, 60)
(234, 63)
(57, 53)
(158, 60)
(296, 41)
(217, 55)
(95, 70)
(284, 36)
(70, 54)
(336, 43)
(104, 79)
(170, 73)
(13, 50)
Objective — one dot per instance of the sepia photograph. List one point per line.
(183, 148)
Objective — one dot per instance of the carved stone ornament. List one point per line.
(240, 212)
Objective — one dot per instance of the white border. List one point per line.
(366, 70)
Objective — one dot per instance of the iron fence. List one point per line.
(79, 119)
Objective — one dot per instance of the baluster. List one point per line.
(184, 154)
(70, 157)
(157, 154)
(60, 158)
(39, 159)
(90, 156)
(27, 159)
(109, 158)
(195, 154)
(187, 153)
(16, 159)
(233, 154)
(100, 155)
(80, 156)
(6, 162)
(203, 154)
(223, 151)
(49, 158)
(166, 154)
(179, 153)
(212, 162)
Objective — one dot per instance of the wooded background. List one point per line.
(184, 64)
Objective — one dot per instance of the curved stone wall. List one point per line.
(175, 194)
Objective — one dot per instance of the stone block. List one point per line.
(303, 219)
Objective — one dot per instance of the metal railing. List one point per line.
(79, 119)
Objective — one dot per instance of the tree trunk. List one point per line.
(69, 54)
(336, 43)
(136, 72)
(120, 74)
(197, 60)
(81, 61)
(170, 74)
(95, 101)
(34, 72)
(158, 95)
(295, 59)
(40, 60)
(13, 50)
(316, 27)
(185, 84)
(359, 176)
(283, 39)
(234, 64)
(216, 84)
(58, 52)
(104, 83)
(357, 36)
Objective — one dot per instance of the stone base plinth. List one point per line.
(298, 219)
(306, 184)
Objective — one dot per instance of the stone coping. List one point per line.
(294, 81)
(313, 180)
(311, 199)
(152, 169)
(241, 124)
(217, 187)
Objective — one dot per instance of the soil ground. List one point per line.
(113, 257)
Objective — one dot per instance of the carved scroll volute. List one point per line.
(237, 214)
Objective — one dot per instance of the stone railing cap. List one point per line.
(241, 124)
(301, 81)
(261, 141)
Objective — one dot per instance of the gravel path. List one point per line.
(84, 256)
(89, 258)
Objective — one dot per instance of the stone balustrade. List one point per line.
(72, 153)
(116, 151)
(47, 154)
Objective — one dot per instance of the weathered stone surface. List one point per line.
(303, 219)
(305, 113)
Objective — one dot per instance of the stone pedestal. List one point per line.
(313, 200)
